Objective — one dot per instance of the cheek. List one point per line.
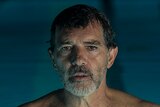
(62, 64)
(99, 62)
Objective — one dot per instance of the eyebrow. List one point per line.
(92, 42)
(66, 41)
(87, 42)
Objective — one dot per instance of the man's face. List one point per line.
(81, 57)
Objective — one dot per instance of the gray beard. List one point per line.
(82, 91)
(86, 88)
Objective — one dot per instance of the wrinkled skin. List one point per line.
(81, 48)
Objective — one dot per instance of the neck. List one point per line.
(99, 98)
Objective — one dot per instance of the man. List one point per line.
(82, 49)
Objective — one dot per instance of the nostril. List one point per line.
(79, 61)
(73, 62)
(73, 59)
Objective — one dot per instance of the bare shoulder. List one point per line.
(148, 104)
(127, 100)
(52, 99)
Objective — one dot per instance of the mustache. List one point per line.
(79, 69)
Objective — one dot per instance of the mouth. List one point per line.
(80, 77)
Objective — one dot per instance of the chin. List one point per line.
(80, 91)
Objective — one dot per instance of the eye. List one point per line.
(65, 49)
(92, 48)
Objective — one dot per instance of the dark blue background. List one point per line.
(26, 72)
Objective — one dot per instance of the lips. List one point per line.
(79, 73)
(79, 76)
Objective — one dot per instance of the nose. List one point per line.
(78, 57)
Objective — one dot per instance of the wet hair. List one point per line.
(79, 16)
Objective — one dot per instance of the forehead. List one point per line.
(91, 31)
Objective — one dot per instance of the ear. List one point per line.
(51, 54)
(112, 56)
